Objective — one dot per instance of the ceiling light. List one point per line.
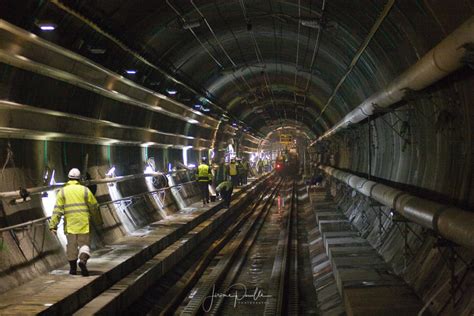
(197, 106)
(171, 91)
(47, 26)
(191, 25)
(192, 121)
(97, 51)
(206, 109)
(314, 24)
(131, 71)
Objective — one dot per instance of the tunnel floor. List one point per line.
(281, 248)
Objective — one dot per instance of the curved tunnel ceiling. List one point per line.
(268, 62)
(252, 53)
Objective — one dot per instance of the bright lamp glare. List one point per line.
(111, 172)
(149, 169)
(131, 71)
(171, 91)
(47, 27)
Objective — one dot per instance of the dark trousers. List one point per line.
(244, 178)
(227, 196)
(235, 180)
(204, 187)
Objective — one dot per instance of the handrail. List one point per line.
(41, 189)
(100, 204)
(450, 222)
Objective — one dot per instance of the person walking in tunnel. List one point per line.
(78, 205)
(204, 176)
(244, 171)
(221, 172)
(260, 166)
(233, 172)
(240, 172)
(225, 189)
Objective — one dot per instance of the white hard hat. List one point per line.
(74, 173)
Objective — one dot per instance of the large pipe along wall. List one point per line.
(450, 222)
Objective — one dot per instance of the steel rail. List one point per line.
(452, 223)
(180, 292)
(279, 283)
(103, 301)
(221, 270)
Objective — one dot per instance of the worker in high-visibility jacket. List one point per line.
(233, 172)
(78, 205)
(225, 189)
(204, 177)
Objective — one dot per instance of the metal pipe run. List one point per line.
(443, 59)
(39, 190)
(452, 223)
(42, 219)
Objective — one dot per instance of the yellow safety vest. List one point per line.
(233, 169)
(204, 174)
(77, 204)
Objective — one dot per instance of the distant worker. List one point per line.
(245, 171)
(78, 205)
(204, 176)
(221, 172)
(260, 166)
(225, 189)
(266, 165)
(233, 172)
(240, 171)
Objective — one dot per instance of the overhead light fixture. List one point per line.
(171, 91)
(312, 23)
(47, 26)
(206, 109)
(197, 106)
(191, 25)
(234, 124)
(131, 71)
(192, 121)
(97, 51)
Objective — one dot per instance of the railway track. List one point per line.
(241, 260)
(250, 269)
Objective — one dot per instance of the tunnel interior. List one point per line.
(119, 88)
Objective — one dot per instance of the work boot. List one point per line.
(73, 267)
(84, 271)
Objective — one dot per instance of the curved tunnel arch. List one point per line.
(422, 144)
